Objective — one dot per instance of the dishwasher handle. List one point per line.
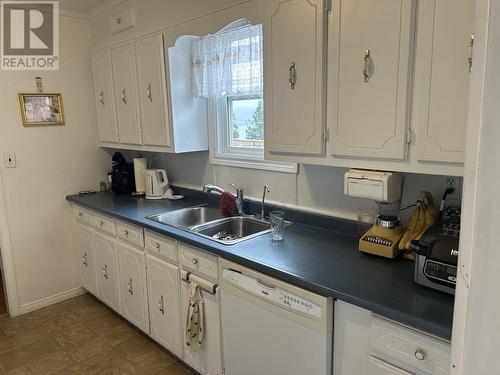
(248, 284)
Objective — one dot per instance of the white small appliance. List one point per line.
(157, 185)
(379, 186)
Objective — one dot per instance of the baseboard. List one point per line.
(47, 301)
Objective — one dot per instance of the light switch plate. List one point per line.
(9, 159)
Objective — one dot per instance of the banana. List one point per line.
(419, 227)
(411, 228)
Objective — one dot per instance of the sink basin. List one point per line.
(232, 230)
(188, 218)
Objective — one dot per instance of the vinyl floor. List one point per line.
(80, 336)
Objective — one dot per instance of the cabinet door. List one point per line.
(442, 78)
(153, 92)
(294, 64)
(207, 359)
(378, 367)
(104, 100)
(164, 304)
(370, 117)
(132, 285)
(107, 281)
(87, 261)
(125, 86)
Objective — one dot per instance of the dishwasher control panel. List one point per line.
(297, 303)
(270, 292)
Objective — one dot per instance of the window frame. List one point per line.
(220, 151)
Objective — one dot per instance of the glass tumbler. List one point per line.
(277, 218)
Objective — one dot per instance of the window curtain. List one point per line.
(228, 63)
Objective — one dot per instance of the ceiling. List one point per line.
(81, 6)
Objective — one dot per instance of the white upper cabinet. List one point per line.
(125, 85)
(369, 68)
(103, 91)
(442, 78)
(294, 71)
(152, 91)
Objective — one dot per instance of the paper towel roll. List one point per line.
(140, 165)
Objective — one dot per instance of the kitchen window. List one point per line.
(228, 71)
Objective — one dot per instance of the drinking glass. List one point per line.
(277, 218)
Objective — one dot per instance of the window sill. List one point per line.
(265, 165)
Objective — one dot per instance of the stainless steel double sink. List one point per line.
(208, 222)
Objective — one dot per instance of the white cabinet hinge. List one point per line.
(409, 136)
(328, 6)
(325, 135)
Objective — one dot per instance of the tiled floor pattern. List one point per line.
(79, 336)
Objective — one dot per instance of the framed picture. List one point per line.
(41, 109)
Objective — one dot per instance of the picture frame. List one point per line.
(41, 109)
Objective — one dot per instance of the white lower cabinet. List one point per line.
(87, 260)
(107, 280)
(164, 305)
(132, 285)
(207, 359)
(378, 367)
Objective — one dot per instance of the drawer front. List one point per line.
(161, 246)
(130, 233)
(82, 215)
(103, 223)
(409, 348)
(199, 261)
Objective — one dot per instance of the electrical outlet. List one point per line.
(455, 183)
(9, 159)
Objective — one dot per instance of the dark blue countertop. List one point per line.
(323, 261)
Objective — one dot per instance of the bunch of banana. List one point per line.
(423, 217)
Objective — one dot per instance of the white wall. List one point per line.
(316, 188)
(52, 162)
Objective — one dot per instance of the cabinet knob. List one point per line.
(420, 355)
(80, 214)
(194, 261)
(125, 232)
(157, 245)
(118, 20)
(101, 223)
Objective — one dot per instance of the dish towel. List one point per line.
(195, 324)
(227, 204)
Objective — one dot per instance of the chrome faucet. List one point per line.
(239, 195)
(266, 189)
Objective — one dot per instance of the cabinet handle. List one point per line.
(148, 93)
(420, 354)
(100, 97)
(84, 259)
(366, 66)
(194, 261)
(157, 245)
(129, 287)
(105, 271)
(471, 48)
(80, 214)
(124, 98)
(125, 232)
(118, 20)
(101, 223)
(161, 307)
(292, 75)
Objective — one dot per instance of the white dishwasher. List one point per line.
(273, 328)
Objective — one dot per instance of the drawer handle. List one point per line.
(149, 95)
(100, 97)
(161, 306)
(194, 261)
(118, 20)
(80, 214)
(129, 287)
(101, 223)
(157, 245)
(84, 260)
(366, 66)
(105, 272)
(471, 49)
(125, 232)
(292, 75)
(124, 97)
(420, 354)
